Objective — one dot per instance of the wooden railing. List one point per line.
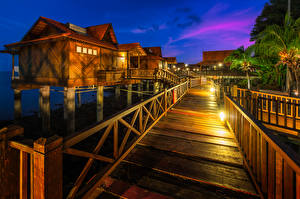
(273, 166)
(160, 74)
(274, 109)
(106, 143)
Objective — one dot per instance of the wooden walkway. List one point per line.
(188, 154)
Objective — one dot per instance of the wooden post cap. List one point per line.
(45, 145)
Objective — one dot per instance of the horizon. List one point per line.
(183, 29)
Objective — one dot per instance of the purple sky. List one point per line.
(182, 28)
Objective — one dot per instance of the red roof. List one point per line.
(64, 31)
(171, 59)
(153, 51)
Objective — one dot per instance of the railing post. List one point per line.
(47, 167)
(166, 99)
(234, 91)
(9, 163)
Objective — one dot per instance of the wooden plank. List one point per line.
(264, 163)
(279, 179)
(116, 143)
(208, 171)
(23, 175)
(297, 185)
(194, 148)
(271, 172)
(288, 186)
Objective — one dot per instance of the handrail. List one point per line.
(264, 154)
(269, 107)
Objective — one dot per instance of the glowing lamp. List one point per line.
(212, 89)
(222, 116)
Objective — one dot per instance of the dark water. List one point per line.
(30, 98)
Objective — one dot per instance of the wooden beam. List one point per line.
(89, 163)
(23, 175)
(128, 131)
(129, 126)
(48, 168)
(84, 154)
(100, 102)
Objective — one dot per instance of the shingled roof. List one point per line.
(132, 47)
(171, 60)
(95, 34)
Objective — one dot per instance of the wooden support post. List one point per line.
(48, 168)
(23, 175)
(69, 108)
(129, 95)
(161, 86)
(234, 91)
(65, 103)
(140, 89)
(100, 103)
(9, 163)
(117, 92)
(45, 108)
(79, 100)
(147, 85)
(156, 87)
(17, 104)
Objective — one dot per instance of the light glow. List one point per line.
(212, 89)
(222, 116)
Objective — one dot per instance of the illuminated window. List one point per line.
(84, 50)
(78, 49)
(94, 52)
(90, 51)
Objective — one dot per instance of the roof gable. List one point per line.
(153, 51)
(103, 32)
(45, 27)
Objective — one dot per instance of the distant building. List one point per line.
(153, 58)
(170, 61)
(214, 59)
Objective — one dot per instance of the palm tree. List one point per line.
(284, 43)
(242, 59)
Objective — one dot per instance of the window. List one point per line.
(94, 52)
(90, 51)
(78, 49)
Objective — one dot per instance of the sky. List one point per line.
(183, 28)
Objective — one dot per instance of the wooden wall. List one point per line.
(59, 64)
(150, 63)
(44, 62)
(83, 65)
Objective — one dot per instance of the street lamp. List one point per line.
(186, 65)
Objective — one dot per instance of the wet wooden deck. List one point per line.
(188, 154)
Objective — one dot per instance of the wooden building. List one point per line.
(153, 60)
(214, 59)
(171, 62)
(67, 55)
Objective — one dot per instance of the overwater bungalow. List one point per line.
(171, 62)
(67, 55)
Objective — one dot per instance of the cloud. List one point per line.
(152, 28)
(218, 29)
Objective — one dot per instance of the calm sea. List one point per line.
(30, 100)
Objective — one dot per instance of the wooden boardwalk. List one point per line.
(188, 154)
